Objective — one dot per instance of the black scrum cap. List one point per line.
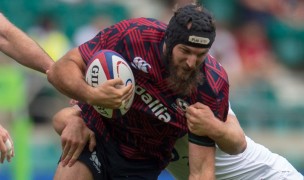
(191, 25)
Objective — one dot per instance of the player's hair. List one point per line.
(191, 25)
(182, 3)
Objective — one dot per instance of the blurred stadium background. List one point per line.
(260, 43)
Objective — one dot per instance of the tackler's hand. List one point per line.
(6, 145)
(75, 136)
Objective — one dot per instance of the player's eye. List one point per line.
(185, 51)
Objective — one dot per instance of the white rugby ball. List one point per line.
(105, 65)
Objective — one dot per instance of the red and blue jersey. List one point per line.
(156, 119)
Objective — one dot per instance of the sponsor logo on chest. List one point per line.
(157, 107)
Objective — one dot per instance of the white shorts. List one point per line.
(255, 163)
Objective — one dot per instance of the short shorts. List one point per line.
(107, 163)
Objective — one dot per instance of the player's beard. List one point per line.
(183, 85)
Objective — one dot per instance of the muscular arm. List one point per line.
(228, 135)
(64, 116)
(67, 75)
(74, 134)
(201, 162)
(16, 44)
(201, 150)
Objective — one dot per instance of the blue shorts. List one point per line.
(106, 163)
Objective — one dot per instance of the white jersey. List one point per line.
(256, 162)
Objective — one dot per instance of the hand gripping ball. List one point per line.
(105, 65)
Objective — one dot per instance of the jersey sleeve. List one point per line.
(105, 39)
(216, 89)
(215, 94)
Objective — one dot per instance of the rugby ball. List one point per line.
(105, 65)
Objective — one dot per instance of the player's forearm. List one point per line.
(33, 56)
(229, 135)
(68, 77)
(59, 122)
(19, 46)
(64, 116)
(201, 162)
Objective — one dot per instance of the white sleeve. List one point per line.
(230, 110)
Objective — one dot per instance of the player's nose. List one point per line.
(191, 61)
